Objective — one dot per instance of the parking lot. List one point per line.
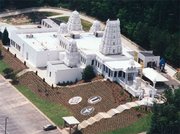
(23, 117)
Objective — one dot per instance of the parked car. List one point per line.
(49, 127)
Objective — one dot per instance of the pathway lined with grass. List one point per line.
(53, 111)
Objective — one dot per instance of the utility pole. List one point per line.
(6, 119)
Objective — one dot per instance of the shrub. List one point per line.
(88, 73)
(5, 37)
(8, 72)
(14, 79)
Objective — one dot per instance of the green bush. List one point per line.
(7, 70)
(88, 73)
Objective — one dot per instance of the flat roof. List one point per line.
(88, 41)
(42, 41)
(89, 44)
(153, 75)
(147, 54)
(122, 65)
(71, 120)
(58, 65)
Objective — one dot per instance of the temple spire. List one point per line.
(95, 27)
(74, 22)
(111, 41)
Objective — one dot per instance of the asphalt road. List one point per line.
(23, 116)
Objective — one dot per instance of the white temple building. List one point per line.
(66, 50)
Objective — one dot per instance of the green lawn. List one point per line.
(49, 13)
(141, 125)
(86, 24)
(53, 111)
(3, 65)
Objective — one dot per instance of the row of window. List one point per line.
(45, 24)
(62, 44)
(107, 70)
(15, 45)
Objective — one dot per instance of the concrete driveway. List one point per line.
(23, 116)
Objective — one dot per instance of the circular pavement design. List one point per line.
(87, 110)
(75, 100)
(94, 99)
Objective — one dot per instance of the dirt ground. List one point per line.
(27, 18)
(112, 95)
(12, 61)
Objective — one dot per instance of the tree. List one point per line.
(166, 117)
(88, 73)
(0, 35)
(5, 37)
(1, 5)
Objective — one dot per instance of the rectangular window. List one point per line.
(49, 74)
(130, 76)
(123, 74)
(92, 63)
(120, 74)
(115, 74)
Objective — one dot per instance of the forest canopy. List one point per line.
(153, 24)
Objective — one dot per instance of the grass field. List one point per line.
(3, 65)
(141, 125)
(86, 24)
(53, 111)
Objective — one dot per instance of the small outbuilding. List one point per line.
(70, 122)
(148, 59)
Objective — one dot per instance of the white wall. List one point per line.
(68, 75)
(25, 50)
(44, 56)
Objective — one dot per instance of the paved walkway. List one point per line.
(23, 116)
(114, 111)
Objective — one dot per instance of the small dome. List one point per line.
(63, 25)
(63, 28)
(96, 22)
(75, 12)
(72, 47)
(95, 26)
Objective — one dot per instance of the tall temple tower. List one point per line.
(72, 55)
(95, 27)
(74, 22)
(111, 41)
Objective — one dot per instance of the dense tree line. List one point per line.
(166, 117)
(153, 24)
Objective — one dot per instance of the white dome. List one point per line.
(75, 12)
(95, 26)
(63, 28)
(72, 47)
(74, 22)
(63, 25)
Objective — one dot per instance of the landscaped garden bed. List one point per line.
(11, 61)
(111, 93)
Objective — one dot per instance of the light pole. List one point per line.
(6, 119)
